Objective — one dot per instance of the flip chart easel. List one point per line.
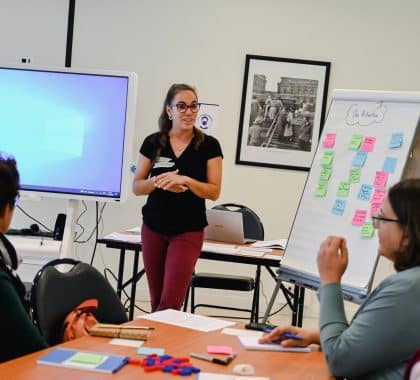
(366, 147)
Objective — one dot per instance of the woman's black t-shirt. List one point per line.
(172, 213)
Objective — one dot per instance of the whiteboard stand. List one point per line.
(68, 236)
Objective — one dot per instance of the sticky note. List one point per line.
(367, 230)
(368, 144)
(329, 140)
(327, 159)
(226, 350)
(354, 176)
(339, 206)
(375, 208)
(378, 195)
(359, 159)
(389, 164)
(150, 351)
(355, 142)
(365, 192)
(396, 140)
(325, 174)
(343, 189)
(321, 189)
(86, 358)
(359, 217)
(380, 179)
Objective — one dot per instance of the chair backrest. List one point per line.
(253, 227)
(54, 294)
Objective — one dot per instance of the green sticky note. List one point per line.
(354, 176)
(343, 189)
(325, 174)
(327, 159)
(355, 142)
(86, 358)
(321, 190)
(367, 230)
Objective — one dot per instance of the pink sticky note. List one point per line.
(368, 144)
(226, 350)
(359, 218)
(378, 196)
(329, 140)
(380, 179)
(375, 208)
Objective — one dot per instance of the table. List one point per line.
(177, 341)
(295, 300)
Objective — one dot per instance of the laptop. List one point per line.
(225, 226)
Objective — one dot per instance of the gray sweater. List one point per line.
(383, 334)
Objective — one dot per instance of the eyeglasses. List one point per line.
(182, 106)
(378, 218)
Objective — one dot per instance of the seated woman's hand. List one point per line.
(276, 336)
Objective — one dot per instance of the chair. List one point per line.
(253, 229)
(54, 294)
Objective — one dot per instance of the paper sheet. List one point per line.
(187, 320)
(251, 343)
(128, 237)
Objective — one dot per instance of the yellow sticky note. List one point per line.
(367, 230)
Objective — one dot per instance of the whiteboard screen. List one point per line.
(363, 150)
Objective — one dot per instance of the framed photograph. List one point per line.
(282, 111)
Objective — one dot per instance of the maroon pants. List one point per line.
(169, 262)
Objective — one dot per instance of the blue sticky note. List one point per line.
(396, 140)
(365, 192)
(359, 159)
(150, 351)
(389, 164)
(339, 206)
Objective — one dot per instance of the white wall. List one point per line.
(371, 45)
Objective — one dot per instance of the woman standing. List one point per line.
(384, 332)
(178, 168)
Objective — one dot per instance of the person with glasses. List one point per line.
(384, 332)
(18, 334)
(179, 167)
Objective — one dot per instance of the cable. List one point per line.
(95, 229)
(77, 222)
(34, 219)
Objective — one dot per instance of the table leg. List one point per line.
(120, 272)
(133, 286)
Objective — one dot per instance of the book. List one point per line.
(119, 331)
(251, 343)
(87, 360)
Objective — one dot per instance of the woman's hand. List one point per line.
(171, 181)
(332, 259)
(308, 336)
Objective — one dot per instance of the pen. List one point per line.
(213, 359)
(285, 335)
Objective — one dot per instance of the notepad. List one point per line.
(91, 361)
(251, 343)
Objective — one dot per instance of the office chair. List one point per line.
(253, 229)
(54, 294)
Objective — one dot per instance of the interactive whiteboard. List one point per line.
(363, 150)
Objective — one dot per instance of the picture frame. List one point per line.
(282, 111)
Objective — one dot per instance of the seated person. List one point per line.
(19, 336)
(384, 333)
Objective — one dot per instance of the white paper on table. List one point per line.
(131, 238)
(275, 257)
(251, 343)
(187, 320)
(134, 229)
(242, 332)
(222, 376)
(126, 342)
(279, 243)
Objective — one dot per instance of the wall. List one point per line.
(371, 45)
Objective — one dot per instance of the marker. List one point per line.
(213, 359)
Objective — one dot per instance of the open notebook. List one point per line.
(225, 226)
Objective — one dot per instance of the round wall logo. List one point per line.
(205, 121)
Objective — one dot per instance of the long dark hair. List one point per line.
(404, 198)
(9, 182)
(165, 124)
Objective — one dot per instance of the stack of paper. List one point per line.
(275, 244)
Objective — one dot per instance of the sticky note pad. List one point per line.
(339, 206)
(150, 351)
(325, 174)
(396, 140)
(86, 358)
(354, 176)
(359, 217)
(359, 159)
(380, 179)
(321, 190)
(389, 164)
(329, 140)
(375, 208)
(226, 350)
(368, 144)
(367, 230)
(327, 159)
(365, 192)
(343, 189)
(355, 142)
(378, 195)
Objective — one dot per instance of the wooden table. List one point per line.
(177, 341)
